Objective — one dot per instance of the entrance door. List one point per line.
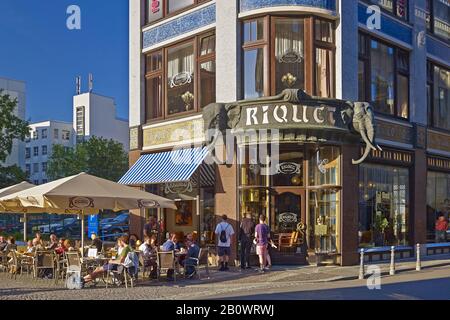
(289, 210)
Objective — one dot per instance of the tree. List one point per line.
(97, 156)
(10, 176)
(11, 128)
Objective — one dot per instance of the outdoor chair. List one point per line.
(197, 263)
(44, 260)
(125, 274)
(61, 267)
(26, 262)
(166, 262)
(73, 269)
(4, 260)
(13, 264)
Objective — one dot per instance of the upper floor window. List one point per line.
(35, 135)
(27, 153)
(398, 8)
(44, 150)
(438, 18)
(384, 77)
(158, 9)
(28, 168)
(181, 79)
(36, 151)
(66, 135)
(282, 53)
(438, 91)
(55, 134)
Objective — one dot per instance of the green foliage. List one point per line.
(381, 223)
(97, 156)
(10, 176)
(11, 126)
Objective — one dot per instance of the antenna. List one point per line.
(91, 82)
(78, 85)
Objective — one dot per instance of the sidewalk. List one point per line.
(311, 274)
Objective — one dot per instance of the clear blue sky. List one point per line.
(37, 47)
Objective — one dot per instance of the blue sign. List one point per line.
(93, 225)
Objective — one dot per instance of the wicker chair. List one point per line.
(166, 262)
(197, 263)
(44, 260)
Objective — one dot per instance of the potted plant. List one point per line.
(381, 224)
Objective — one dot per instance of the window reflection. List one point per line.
(383, 205)
(438, 200)
(254, 73)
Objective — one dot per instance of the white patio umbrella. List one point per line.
(86, 194)
(13, 189)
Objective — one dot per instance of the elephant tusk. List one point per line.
(367, 141)
(364, 157)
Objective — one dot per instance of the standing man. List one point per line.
(246, 232)
(224, 231)
(262, 235)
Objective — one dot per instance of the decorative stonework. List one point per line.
(186, 132)
(394, 132)
(135, 138)
(247, 5)
(421, 136)
(401, 157)
(438, 163)
(438, 141)
(184, 24)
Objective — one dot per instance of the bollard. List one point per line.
(392, 268)
(361, 266)
(418, 263)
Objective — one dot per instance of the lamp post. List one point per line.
(361, 265)
(392, 268)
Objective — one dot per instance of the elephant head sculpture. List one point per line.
(360, 118)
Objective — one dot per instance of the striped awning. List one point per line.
(164, 167)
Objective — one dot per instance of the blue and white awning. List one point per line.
(164, 167)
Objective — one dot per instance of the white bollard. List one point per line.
(418, 262)
(392, 268)
(361, 266)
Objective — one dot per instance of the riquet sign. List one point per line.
(288, 114)
(155, 6)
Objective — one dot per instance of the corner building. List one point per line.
(188, 54)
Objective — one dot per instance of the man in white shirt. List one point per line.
(224, 231)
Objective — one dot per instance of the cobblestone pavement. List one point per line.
(222, 284)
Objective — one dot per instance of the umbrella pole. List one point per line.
(82, 233)
(25, 227)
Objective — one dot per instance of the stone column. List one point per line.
(418, 197)
(347, 51)
(349, 206)
(228, 48)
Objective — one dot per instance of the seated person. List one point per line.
(133, 239)
(112, 265)
(96, 242)
(3, 243)
(53, 244)
(11, 245)
(60, 249)
(193, 251)
(36, 246)
(30, 247)
(149, 250)
(68, 246)
(39, 239)
(171, 244)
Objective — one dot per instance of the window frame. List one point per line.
(165, 10)
(310, 46)
(431, 29)
(430, 104)
(163, 73)
(366, 59)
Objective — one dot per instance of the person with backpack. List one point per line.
(262, 236)
(224, 230)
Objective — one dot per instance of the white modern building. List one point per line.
(95, 115)
(16, 89)
(39, 146)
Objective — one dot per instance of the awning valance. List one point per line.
(164, 167)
